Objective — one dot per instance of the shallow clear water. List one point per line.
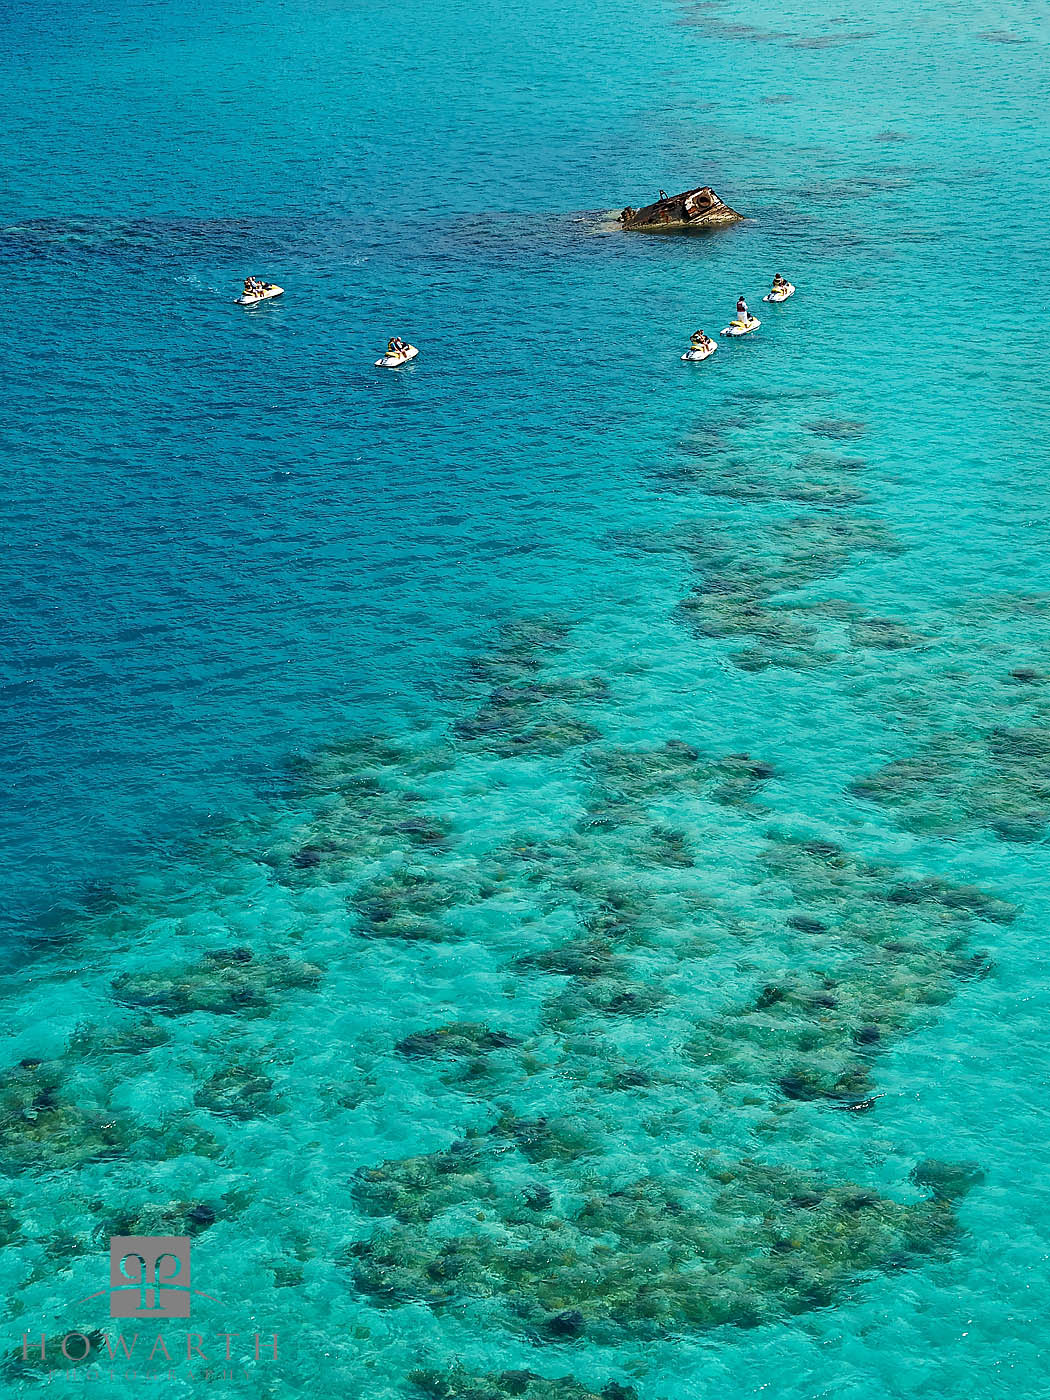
(751, 998)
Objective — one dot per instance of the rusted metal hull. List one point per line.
(693, 211)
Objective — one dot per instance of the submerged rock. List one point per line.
(172, 1217)
(570, 1323)
(412, 903)
(903, 947)
(839, 429)
(998, 779)
(805, 923)
(229, 982)
(883, 634)
(947, 1181)
(534, 719)
(419, 1188)
(460, 1384)
(519, 649)
(459, 1038)
(238, 1091)
(46, 1123)
(658, 1258)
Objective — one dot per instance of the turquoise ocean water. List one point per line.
(536, 862)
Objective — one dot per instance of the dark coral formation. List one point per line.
(460, 1384)
(840, 429)
(239, 1091)
(819, 480)
(897, 950)
(227, 982)
(458, 1039)
(10, 1228)
(519, 650)
(363, 799)
(609, 996)
(741, 593)
(137, 1039)
(946, 1181)
(529, 1195)
(414, 903)
(820, 1031)
(650, 1259)
(626, 779)
(45, 1123)
(172, 1217)
(883, 634)
(738, 1242)
(528, 714)
(823, 874)
(998, 779)
(418, 1188)
(658, 912)
(52, 1117)
(474, 1056)
(536, 718)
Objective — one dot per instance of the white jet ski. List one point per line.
(781, 293)
(392, 361)
(700, 352)
(269, 291)
(742, 327)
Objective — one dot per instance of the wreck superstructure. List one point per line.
(690, 212)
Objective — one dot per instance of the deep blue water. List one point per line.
(232, 544)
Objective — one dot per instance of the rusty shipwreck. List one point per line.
(692, 212)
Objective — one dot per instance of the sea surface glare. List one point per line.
(537, 861)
